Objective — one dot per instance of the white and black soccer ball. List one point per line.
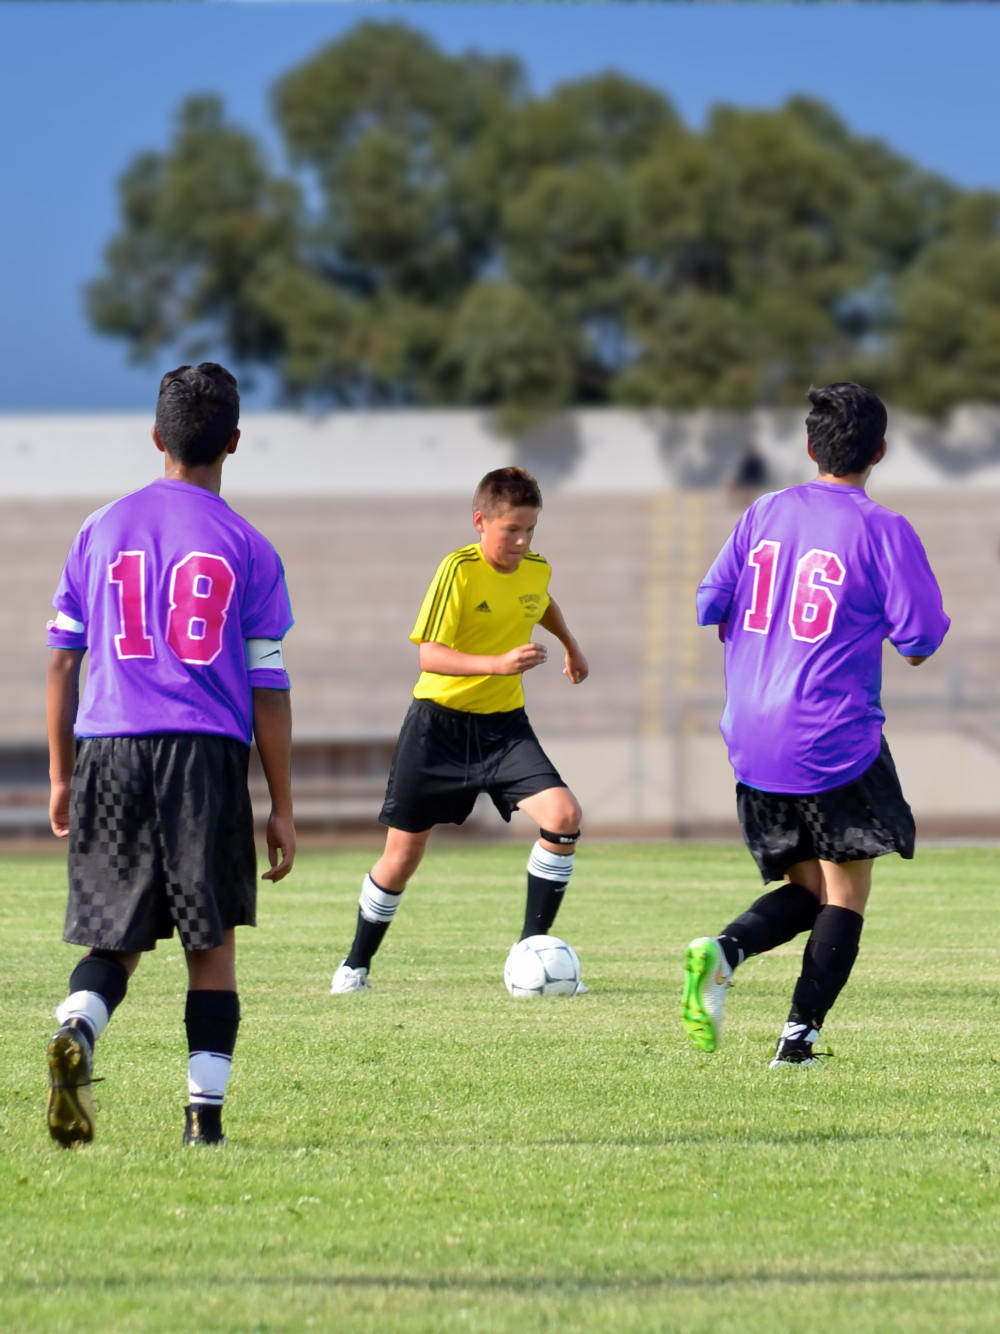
(542, 966)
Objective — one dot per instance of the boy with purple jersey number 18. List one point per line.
(809, 584)
(181, 606)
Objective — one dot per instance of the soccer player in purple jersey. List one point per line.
(182, 607)
(809, 584)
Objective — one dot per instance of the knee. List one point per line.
(561, 826)
(570, 815)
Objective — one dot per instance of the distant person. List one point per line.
(466, 730)
(749, 478)
(182, 607)
(809, 584)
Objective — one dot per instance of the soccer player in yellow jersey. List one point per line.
(466, 730)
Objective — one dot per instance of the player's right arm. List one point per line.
(446, 661)
(62, 693)
(714, 599)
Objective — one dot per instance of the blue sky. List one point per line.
(86, 86)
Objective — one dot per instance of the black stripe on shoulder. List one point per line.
(435, 612)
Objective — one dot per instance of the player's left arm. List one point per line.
(913, 603)
(272, 729)
(62, 693)
(553, 620)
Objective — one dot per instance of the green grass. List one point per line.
(434, 1156)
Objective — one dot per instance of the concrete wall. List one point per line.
(684, 785)
(427, 453)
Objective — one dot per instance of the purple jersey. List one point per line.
(163, 588)
(808, 585)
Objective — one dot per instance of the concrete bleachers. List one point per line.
(625, 570)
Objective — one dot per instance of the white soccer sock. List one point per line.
(377, 905)
(554, 866)
(86, 1005)
(208, 1075)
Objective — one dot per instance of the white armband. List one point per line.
(64, 622)
(264, 653)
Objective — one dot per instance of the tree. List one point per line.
(438, 235)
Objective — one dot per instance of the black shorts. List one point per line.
(445, 757)
(161, 836)
(865, 818)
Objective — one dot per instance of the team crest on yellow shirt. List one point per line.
(530, 602)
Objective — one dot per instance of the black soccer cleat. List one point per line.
(71, 1104)
(790, 1052)
(203, 1124)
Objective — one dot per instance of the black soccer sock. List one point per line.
(829, 957)
(776, 917)
(548, 876)
(211, 1020)
(376, 909)
(97, 986)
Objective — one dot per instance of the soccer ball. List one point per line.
(542, 966)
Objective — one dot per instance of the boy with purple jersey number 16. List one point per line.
(182, 607)
(809, 584)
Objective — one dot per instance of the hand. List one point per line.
(280, 846)
(576, 666)
(521, 659)
(59, 808)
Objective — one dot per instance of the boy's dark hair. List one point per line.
(846, 427)
(197, 412)
(506, 488)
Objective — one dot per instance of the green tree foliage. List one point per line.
(440, 236)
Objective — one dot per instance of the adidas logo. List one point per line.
(483, 606)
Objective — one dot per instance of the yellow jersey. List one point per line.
(474, 608)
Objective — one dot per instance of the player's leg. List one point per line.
(828, 958)
(210, 868)
(518, 775)
(849, 826)
(113, 909)
(550, 863)
(776, 839)
(97, 986)
(381, 893)
(211, 1022)
(551, 859)
(429, 783)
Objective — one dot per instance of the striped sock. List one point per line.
(548, 875)
(376, 909)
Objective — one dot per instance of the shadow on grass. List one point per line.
(808, 1138)
(557, 1285)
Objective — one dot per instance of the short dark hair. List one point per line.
(197, 412)
(846, 427)
(506, 488)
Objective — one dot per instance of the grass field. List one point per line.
(435, 1156)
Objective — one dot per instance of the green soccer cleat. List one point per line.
(71, 1104)
(706, 979)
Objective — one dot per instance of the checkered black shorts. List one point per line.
(161, 836)
(865, 818)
